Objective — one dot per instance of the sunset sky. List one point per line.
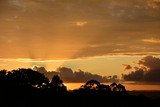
(97, 36)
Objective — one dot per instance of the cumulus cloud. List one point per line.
(68, 75)
(40, 69)
(150, 62)
(148, 71)
(127, 67)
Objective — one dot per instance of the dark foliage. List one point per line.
(28, 88)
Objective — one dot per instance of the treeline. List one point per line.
(68, 75)
(29, 81)
(29, 88)
(28, 78)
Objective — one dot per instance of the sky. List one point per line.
(98, 36)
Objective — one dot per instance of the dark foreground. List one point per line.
(28, 88)
(34, 98)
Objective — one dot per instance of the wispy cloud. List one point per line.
(29, 60)
(151, 40)
(80, 23)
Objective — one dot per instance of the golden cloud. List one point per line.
(151, 40)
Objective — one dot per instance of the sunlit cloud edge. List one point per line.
(111, 55)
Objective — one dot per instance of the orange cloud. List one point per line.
(80, 23)
(127, 67)
(151, 40)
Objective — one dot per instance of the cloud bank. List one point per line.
(68, 75)
(147, 71)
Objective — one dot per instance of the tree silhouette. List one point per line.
(103, 87)
(3, 78)
(113, 87)
(57, 84)
(3, 75)
(19, 86)
(121, 88)
(92, 84)
(27, 77)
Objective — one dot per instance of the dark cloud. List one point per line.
(40, 69)
(134, 76)
(150, 62)
(68, 75)
(127, 67)
(148, 71)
